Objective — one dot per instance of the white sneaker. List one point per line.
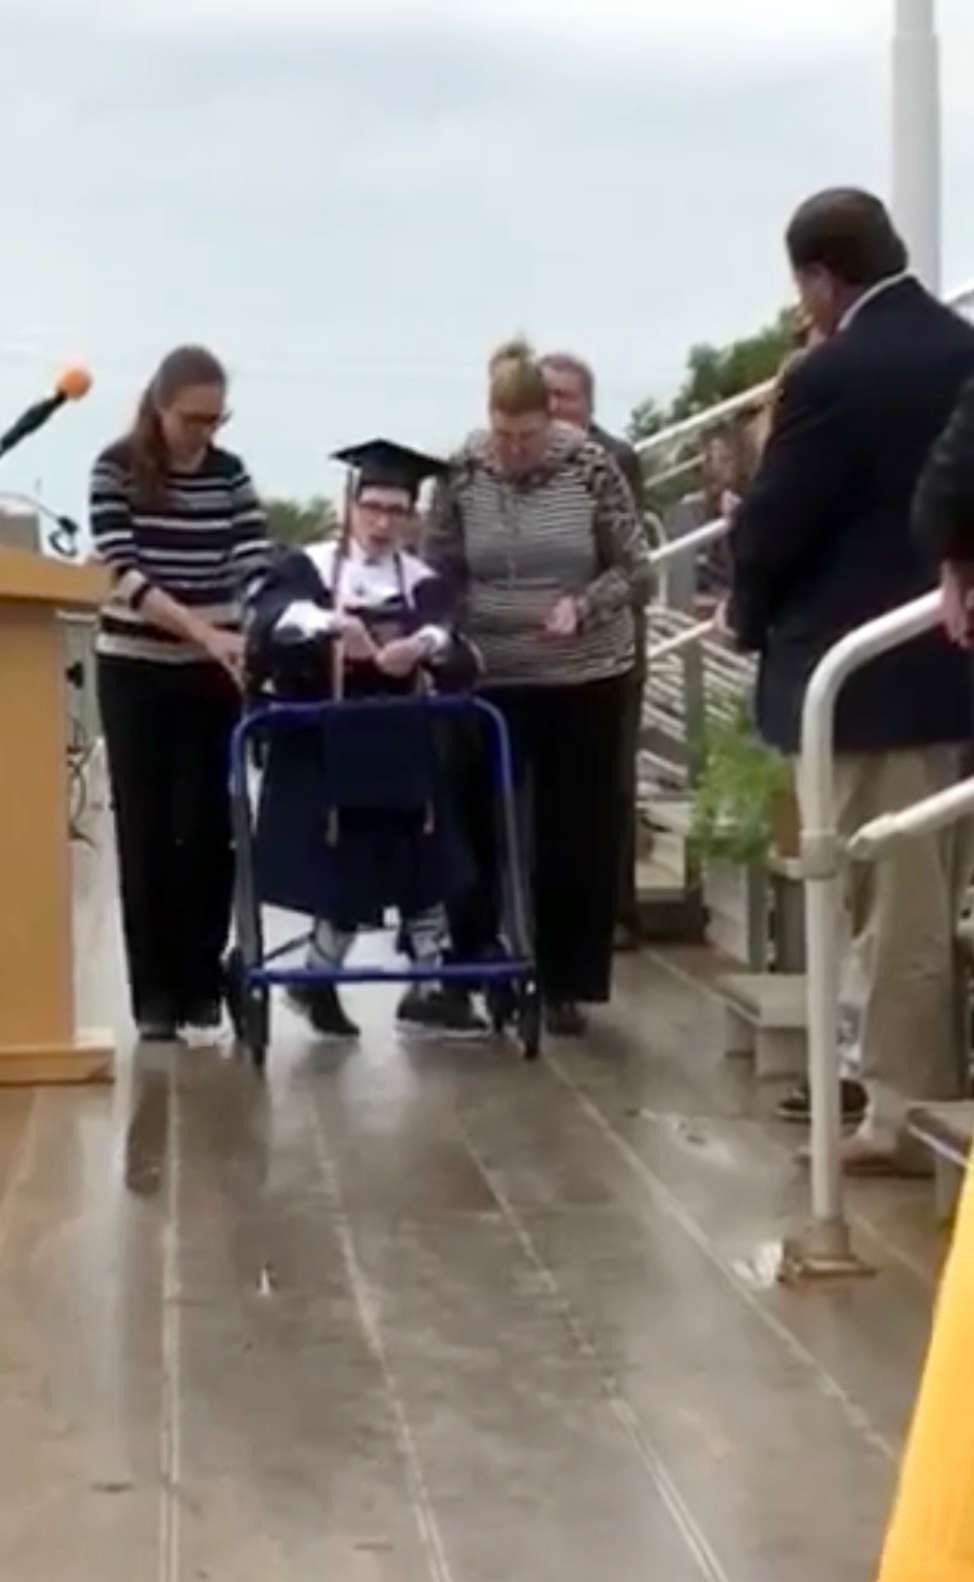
(213, 1033)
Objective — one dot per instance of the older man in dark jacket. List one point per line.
(823, 544)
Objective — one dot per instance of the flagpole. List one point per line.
(917, 151)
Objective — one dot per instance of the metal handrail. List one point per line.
(689, 427)
(927, 817)
(687, 639)
(826, 1246)
(675, 548)
(681, 469)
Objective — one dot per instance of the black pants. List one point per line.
(167, 733)
(567, 745)
(627, 908)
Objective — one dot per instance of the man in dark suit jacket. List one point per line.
(823, 544)
(571, 387)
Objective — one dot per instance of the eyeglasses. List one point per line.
(391, 513)
(205, 422)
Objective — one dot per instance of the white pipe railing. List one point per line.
(934, 813)
(682, 469)
(675, 548)
(826, 1246)
(674, 645)
(690, 427)
(962, 298)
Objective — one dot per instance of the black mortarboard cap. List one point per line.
(384, 464)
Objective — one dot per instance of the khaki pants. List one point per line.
(900, 978)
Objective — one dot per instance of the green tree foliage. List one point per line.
(715, 373)
(647, 419)
(295, 522)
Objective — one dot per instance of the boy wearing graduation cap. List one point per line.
(354, 813)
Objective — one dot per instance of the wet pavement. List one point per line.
(422, 1313)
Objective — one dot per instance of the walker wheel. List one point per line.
(530, 1022)
(249, 1009)
(503, 1006)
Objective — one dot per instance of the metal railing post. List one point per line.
(825, 1247)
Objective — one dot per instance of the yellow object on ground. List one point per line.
(931, 1538)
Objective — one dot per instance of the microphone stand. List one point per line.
(63, 541)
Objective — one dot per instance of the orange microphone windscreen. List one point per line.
(73, 383)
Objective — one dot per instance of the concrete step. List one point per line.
(765, 1019)
(947, 1130)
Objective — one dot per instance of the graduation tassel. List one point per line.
(338, 647)
(337, 692)
(423, 689)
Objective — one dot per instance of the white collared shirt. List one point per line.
(870, 296)
(365, 584)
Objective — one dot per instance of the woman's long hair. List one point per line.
(146, 445)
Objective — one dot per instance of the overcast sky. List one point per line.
(352, 201)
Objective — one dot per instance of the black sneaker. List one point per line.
(626, 939)
(563, 1019)
(796, 1106)
(324, 1011)
(447, 1011)
(154, 1029)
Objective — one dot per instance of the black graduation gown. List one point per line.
(354, 812)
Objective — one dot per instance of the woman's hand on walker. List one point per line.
(226, 649)
(565, 618)
(354, 635)
(401, 657)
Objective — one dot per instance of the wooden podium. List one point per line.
(39, 1042)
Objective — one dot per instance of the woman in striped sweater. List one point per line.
(539, 531)
(177, 522)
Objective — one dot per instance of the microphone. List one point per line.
(71, 385)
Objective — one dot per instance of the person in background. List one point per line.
(537, 530)
(571, 386)
(943, 517)
(571, 389)
(822, 544)
(178, 524)
(728, 464)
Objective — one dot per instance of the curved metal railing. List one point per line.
(690, 428)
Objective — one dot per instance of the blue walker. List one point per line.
(509, 979)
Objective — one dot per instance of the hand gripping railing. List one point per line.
(825, 1247)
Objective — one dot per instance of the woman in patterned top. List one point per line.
(177, 522)
(537, 528)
